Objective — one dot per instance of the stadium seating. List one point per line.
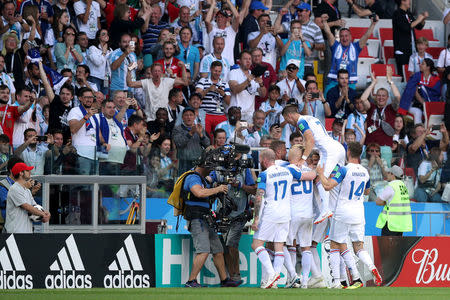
(387, 54)
(386, 37)
(435, 51)
(329, 124)
(406, 75)
(358, 32)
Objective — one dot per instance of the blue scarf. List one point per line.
(104, 128)
(88, 122)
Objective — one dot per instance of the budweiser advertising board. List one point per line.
(413, 261)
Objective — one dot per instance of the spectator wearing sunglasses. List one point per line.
(377, 168)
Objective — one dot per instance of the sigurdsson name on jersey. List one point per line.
(279, 174)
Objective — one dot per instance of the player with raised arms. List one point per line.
(348, 220)
(332, 153)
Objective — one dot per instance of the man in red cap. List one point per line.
(20, 202)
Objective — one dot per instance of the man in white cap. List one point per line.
(395, 218)
(292, 86)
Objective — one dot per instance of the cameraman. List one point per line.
(20, 202)
(242, 185)
(196, 193)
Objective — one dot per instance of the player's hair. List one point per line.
(355, 149)
(275, 145)
(267, 154)
(290, 109)
(295, 151)
(314, 152)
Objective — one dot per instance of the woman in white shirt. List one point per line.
(55, 33)
(97, 61)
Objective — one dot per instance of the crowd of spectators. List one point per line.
(142, 87)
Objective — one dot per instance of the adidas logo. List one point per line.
(125, 264)
(68, 263)
(11, 262)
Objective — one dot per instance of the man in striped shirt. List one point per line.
(153, 27)
(215, 93)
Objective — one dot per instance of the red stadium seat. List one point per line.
(426, 33)
(435, 51)
(435, 109)
(388, 53)
(358, 32)
(364, 53)
(380, 69)
(386, 35)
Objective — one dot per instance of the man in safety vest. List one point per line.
(396, 215)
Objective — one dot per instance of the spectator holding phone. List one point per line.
(121, 61)
(315, 103)
(296, 47)
(33, 150)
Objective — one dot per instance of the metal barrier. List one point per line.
(445, 213)
(92, 183)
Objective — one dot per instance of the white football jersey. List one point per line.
(276, 205)
(323, 142)
(353, 180)
(302, 196)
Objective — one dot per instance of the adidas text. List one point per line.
(68, 280)
(9, 280)
(126, 279)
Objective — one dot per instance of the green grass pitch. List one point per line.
(384, 293)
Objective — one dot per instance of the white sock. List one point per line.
(264, 258)
(351, 265)
(334, 264)
(307, 261)
(343, 269)
(288, 262)
(315, 263)
(325, 196)
(278, 262)
(365, 258)
(292, 255)
(271, 254)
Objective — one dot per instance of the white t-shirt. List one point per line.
(353, 180)
(302, 196)
(156, 97)
(91, 27)
(276, 205)
(245, 99)
(268, 46)
(17, 220)
(387, 194)
(20, 126)
(84, 140)
(289, 87)
(444, 59)
(118, 147)
(229, 36)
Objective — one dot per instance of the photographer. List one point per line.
(20, 202)
(238, 189)
(196, 193)
(315, 103)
